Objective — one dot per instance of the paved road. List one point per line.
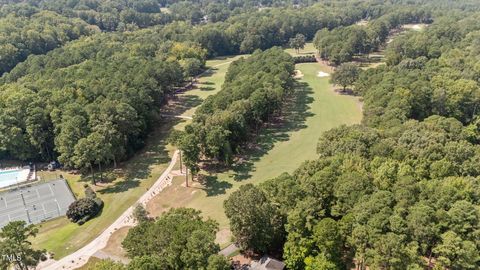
(228, 250)
(81, 256)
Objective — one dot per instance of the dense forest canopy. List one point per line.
(400, 190)
(91, 101)
(432, 72)
(36, 34)
(128, 72)
(83, 82)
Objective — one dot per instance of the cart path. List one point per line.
(81, 256)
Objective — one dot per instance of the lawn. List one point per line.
(210, 82)
(62, 237)
(308, 50)
(284, 146)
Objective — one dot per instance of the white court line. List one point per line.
(51, 190)
(44, 211)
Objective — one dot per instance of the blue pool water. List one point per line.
(10, 177)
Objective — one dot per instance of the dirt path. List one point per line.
(81, 256)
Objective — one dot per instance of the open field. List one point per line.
(308, 50)
(281, 147)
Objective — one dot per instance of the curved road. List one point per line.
(81, 256)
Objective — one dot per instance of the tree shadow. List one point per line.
(292, 118)
(207, 88)
(213, 186)
(181, 104)
(346, 92)
(139, 167)
(209, 72)
(120, 186)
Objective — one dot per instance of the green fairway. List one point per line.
(284, 146)
(210, 82)
(62, 237)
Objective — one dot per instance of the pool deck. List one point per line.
(15, 176)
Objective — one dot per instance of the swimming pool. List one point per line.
(12, 177)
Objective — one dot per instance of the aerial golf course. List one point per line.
(280, 147)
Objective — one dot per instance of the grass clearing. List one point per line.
(62, 237)
(114, 245)
(283, 146)
(309, 49)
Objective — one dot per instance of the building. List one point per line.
(267, 263)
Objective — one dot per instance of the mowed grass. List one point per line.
(62, 237)
(309, 49)
(282, 147)
(210, 82)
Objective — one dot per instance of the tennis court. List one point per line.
(35, 203)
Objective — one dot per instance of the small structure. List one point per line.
(267, 263)
(52, 166)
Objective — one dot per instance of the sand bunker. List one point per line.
(322, 74)
(298, 74)
(416, 27)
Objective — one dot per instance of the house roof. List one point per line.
(267, 263)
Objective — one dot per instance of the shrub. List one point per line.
(89, 193)
(84, 209)
(305, 59)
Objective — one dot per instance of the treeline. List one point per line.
(253, 90)
(36, 27)
(93, 101)
(399, 191)
(247, 32)
(305, 59)
(404, 199)
(430, 72)
(242, 33)
(39, 33)
(341, 44)
(119, 15)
